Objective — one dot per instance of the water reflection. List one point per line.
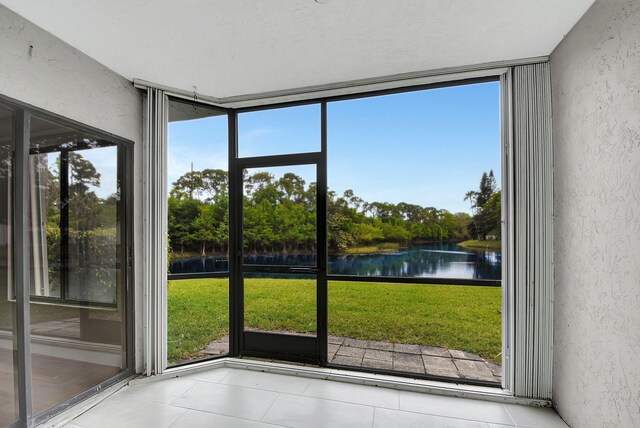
(433, 260)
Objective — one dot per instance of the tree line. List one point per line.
(280, 216)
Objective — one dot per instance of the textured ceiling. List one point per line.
(237, 47)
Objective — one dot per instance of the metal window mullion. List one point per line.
(322, 302)
(146, 201)
(507, 282)
(236, 277)
(64, 224)
(21, 275)
(235, 331)
(162, 228)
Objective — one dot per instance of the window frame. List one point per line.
(234, 108)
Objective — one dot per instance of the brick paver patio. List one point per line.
(401, 357)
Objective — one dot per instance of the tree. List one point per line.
(485, 204)
(190, 184)
(488, 221)
(471, 197)
(487, 187)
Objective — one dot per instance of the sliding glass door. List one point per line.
(65, 264)
(9, 394)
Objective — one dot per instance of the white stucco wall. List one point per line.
(595, 74)
(62, 80)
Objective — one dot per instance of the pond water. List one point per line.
(443, 260)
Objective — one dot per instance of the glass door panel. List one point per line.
(280, 241)
(77, 263)
(8, 362)
(198, 233)
(280, 303)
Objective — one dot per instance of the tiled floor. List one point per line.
(53, 380)
(226, 397)
(430, 360)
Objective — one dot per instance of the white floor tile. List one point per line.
(161, 391)
(129, 413)
(384, 418)
(350, 393)
(197, 419)
(307, 412)
(211, 375)
(476, 410)
(225, 397)
(535, 417)
(267, 381)
(227, 400)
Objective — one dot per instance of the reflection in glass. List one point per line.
(279, 131)
(8, 366)
(198, 226)
(77, 264)
(93, 202)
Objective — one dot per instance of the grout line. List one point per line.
(265, 388)
(179, 417)
(373, 420)
(509, 414)
(451, 417)
(270, 407)
(187, 390)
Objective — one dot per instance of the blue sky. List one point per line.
(424, 147)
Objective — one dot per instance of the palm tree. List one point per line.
(471, 197)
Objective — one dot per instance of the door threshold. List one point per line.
(434, 387)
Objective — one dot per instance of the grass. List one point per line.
(484, 245)
(372, 249)
(467, 318)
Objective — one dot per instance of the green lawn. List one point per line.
(482, 245)
(457, 317)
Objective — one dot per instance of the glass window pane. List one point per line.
(279, 229)
(441, 330)
(280, 303)
(414, 182)
(198, 225)
(279, 131)
(8, 364)
(78, 262)
(279, 216)
(197, 319)
(93, 225)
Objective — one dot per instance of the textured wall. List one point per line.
(60, 79)
(595, 74)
